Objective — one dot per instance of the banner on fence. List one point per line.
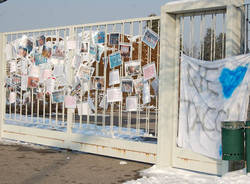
(211, 92)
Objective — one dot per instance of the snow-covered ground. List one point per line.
(178, 176)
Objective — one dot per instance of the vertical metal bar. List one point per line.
(32, 105)
(44, 107)
(112, 104)
(214, 37)
(157, 96)
(105, 59)
(88, 115)
(96, 91)
(211, 39)
(201, 37)
(50, 107)
(190, 37)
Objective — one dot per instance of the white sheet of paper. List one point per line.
(34, 71)
(70, 102)
(83, 108)
(114, 77)
(71, 44)
(114, 95)
(10, 52)
(12, 98)
(146, 93)
(44, 75)
(58, 69)
(131, 103)
(24, 82)
(50, 85)
(13, 66)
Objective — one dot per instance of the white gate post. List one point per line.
(168, 90)
(2, 91)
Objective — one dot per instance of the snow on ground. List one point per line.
(179, 176)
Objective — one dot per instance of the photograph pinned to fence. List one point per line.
(146, 93)
(104, 100)
(138, 85)
(115, 60)
(58, 50)
(26, 98)
(39, 59)
(155, 86)
(85, 72)
(76, 87)
(150, 38)
(70, 102)
(132, 68)
(126, 50)
(33, 82)
(99, 52)
(92, 50)
(114, 95)
(58, 96)
(114, 77)
(46, 52)
(84, 47)
(149, 71)
(40, 41)
(97, 83)
(114, 38)
(83, 108)
(132, 103)
(99, 37)
(127, 85)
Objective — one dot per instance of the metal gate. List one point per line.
(38, 114)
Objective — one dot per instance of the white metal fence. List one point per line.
(33, 113)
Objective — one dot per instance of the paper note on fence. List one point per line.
(114, 77)
(70, 102)
(12, 97)
(114, 95)
(83, 108)
(131, 103)
(149, 71)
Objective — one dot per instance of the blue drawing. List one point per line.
(100, 37)
(231, 79)
(115, 60)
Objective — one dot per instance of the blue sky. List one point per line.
(31, 14)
